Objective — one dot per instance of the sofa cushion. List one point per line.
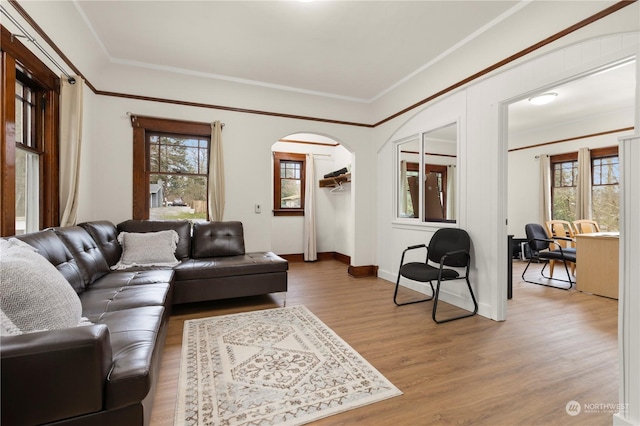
(85, 251)
(97, 301)
(105, 234)
(182, 227)
(215, 267)
(131, 277)
(35, 295)
(147, 249)
(215, 239)
(51, 247)
(134, 336)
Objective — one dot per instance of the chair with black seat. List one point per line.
(449, 248)
(546, 249)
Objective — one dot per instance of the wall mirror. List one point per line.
(427, 175)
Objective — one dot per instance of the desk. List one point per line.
(597, 263)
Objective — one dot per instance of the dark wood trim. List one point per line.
(610, 151)
(8, 147)
(48, 40)
(328, 255)
(140, 176)
(296, 257)
(363, 271)
(46, 87)
(171, 125)
(141, 168)
(608, 132)
(227, 108)
(308, 142)
(561, 158)
(288, 212)
(50, 171)
(34, 68)
(593, 18)
(287, 156)
(342, 258)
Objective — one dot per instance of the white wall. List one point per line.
(524, 181)
(483, 163)
(334, 219)
(394, 234)
(248, 137)
(247, 141)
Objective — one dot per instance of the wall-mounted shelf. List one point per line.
(332, 182)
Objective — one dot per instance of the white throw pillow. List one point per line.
(148, 249)
(35, 295)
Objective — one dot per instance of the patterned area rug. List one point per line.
(273, 367)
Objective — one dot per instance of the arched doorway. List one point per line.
(334, 224)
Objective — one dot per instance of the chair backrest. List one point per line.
(561, 228)
(586, 226)
(535, 231)
(446, 240)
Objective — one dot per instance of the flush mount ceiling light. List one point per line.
(543, 99)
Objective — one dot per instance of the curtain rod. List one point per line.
(131, 115)
(29, 37)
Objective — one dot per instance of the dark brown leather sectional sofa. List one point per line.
(105, 373)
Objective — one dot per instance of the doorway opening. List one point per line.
(332, 203)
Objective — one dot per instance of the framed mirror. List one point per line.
(427, 175)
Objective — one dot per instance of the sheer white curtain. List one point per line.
(309, 233)
(216, 174)
(452, 178)
(545, 188)
(70, 144)
(583, 195)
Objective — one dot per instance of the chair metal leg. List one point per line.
(435, 304)
(549, 277)
(395, 295)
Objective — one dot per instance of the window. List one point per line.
(426, 175)
(178, 184)
(288, 184)
(29, 190)
(564, 169)
(605, 189)
(170, 169)
(605, 175)
(27, 158)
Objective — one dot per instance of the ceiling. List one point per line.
(607, 91)
(355, 50)
(325, 47)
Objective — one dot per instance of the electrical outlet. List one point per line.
(258, 208)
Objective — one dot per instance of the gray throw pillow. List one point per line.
(35, 295)
(147, 249)
(7, 327)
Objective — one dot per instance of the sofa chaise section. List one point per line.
(99, 374)
(214, 264)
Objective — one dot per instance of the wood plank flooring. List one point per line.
(556, 346)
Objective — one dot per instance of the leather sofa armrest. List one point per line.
(55, 374)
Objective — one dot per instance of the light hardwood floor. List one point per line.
(556, 346)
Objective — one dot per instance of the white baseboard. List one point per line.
(445, 296)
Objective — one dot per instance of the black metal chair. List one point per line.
(545, 249)
(448, 248)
